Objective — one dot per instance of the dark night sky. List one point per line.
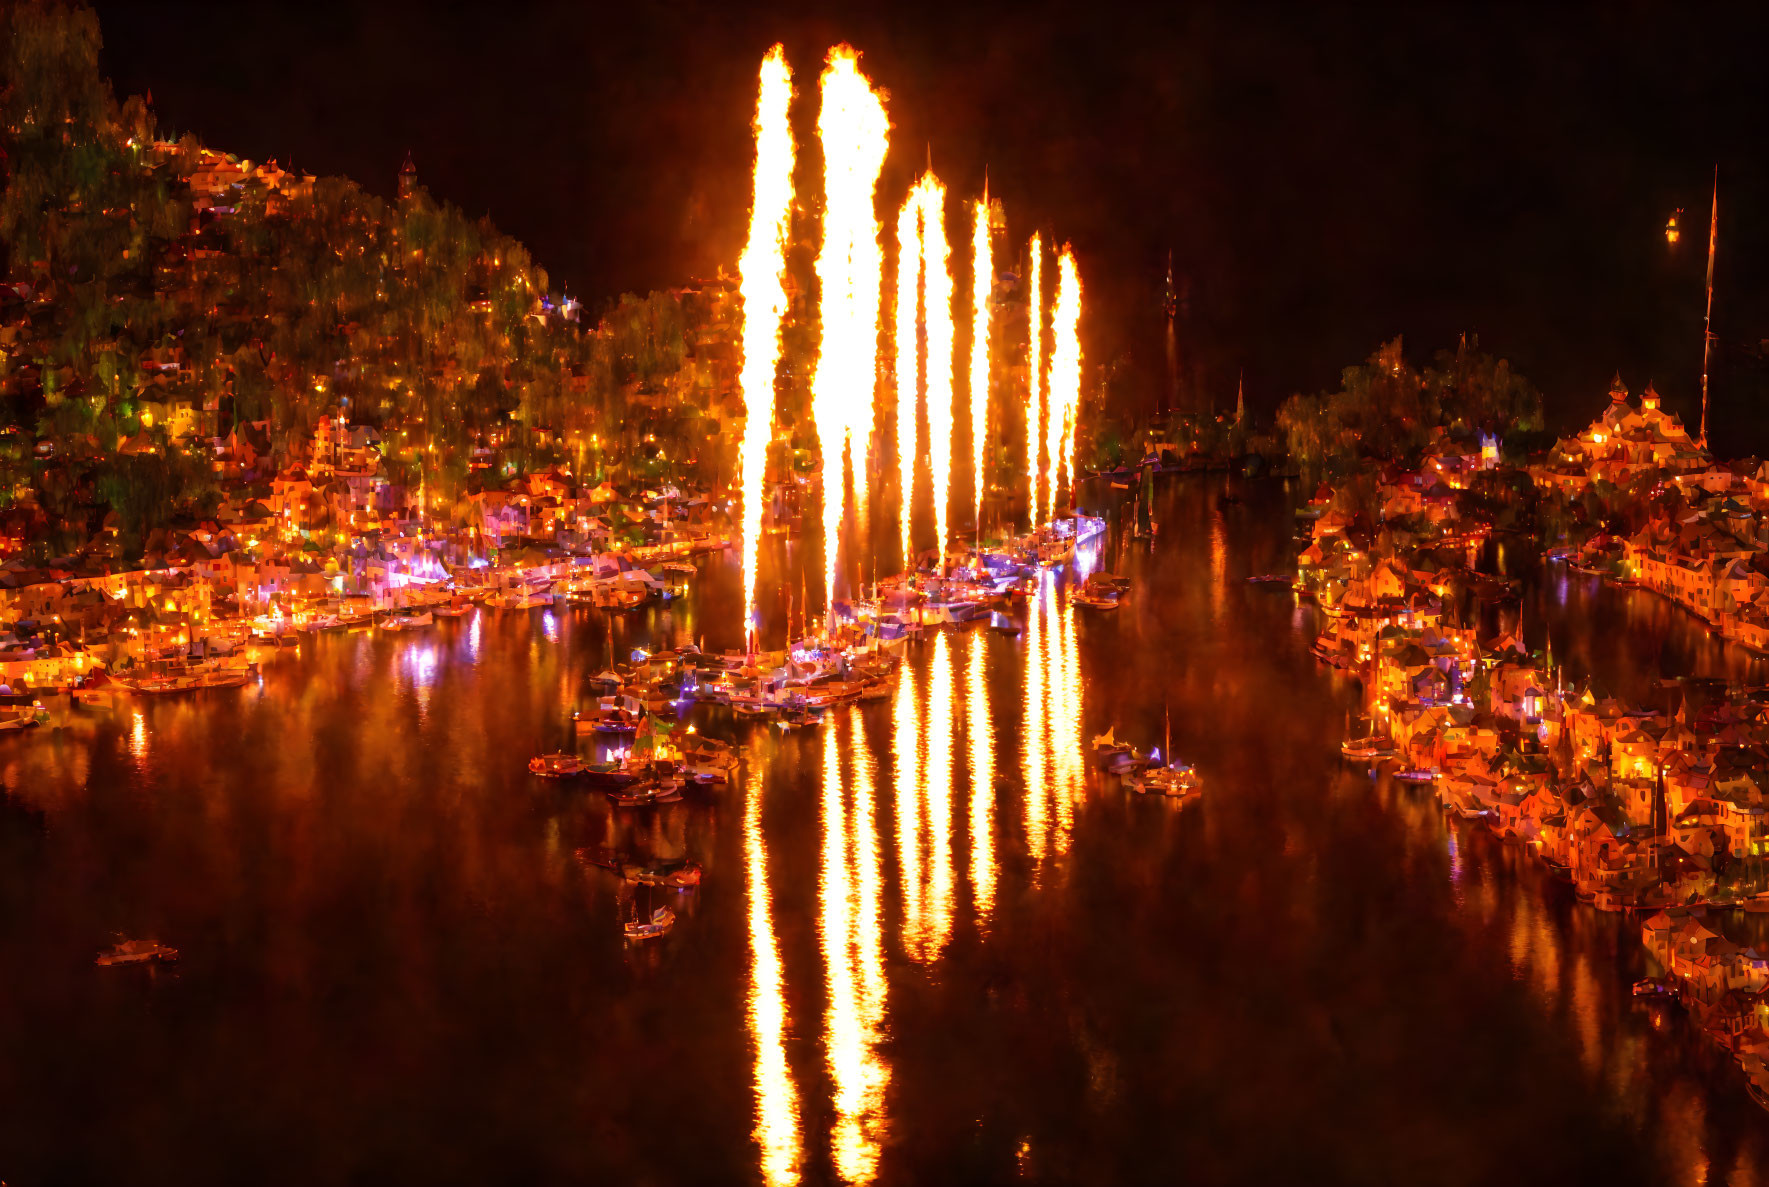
(1326, 176)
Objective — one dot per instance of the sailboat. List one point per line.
(1169, 777)
(640, 927)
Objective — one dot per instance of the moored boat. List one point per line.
(659, 923)
(137, 952)
(556, 766)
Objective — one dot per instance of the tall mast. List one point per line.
(1707, 321)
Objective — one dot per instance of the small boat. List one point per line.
(1169, 778)
(1270, 579)
(679, 568)
(681, 873)
(1001, 624)
(137, 952)
(26, 718)
(611, 715)
(410, 618)
(452, 609)
(1367, 749)
(750, 710)
(606, 682)
(1095, 601)
(1652, 987)
(797, 719)
(659, 924)
(556, 766)
(639, 795)
(1757, 904)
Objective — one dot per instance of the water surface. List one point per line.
(930, 946)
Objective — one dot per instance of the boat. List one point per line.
(658, 924)
(521, 597)
(138, 952)
(708, 760)
(1169, 778)
(1756, 1075)
(606, 682)
(639, 795)
(410, 618)
(557, 766)
(1095, 601)
(28, 717)
(1652, 987)
(679, 873)
(799, 718)
(1270, 579)
(1176, 779)
(661, 789)
(455, 609)
(679, 568)
(1001, 624)
(1367, 749)
(1107, 749)
(1757, 904)
(611, 715)
(878, 689)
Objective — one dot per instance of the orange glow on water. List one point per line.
(855, 135)
(1066, 727)
(762, 270)
(906, 760)
(844, 1042)
(982, 781)
(938, 782)
(857, 1144)
(777, 1116)
(1034, 742)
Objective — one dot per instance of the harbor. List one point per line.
(350, 852)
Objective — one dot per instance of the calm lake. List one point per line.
(930, 947)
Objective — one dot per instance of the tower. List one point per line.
(408, 178)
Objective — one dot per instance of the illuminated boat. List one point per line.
(1177, 780)
(137, 952)
(1096, 601)
(411, 618)
(1367, 749)
(611, 715)
(521, 597)
(658, 924)
(23, 718)
(556, 766)
(680, 873)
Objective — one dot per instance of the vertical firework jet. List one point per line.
(937, 286)
(908, 358)
(1035, 380)
(762, 270)
(981, 288)
(855, 135)
(1065, 367)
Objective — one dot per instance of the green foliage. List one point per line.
(1384, 409)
